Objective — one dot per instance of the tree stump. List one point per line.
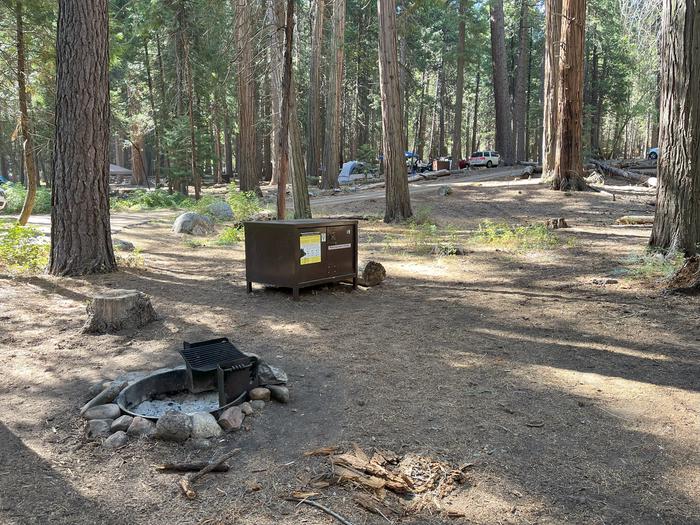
(117, 310)
(370, 273)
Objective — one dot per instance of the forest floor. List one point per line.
(563, 374)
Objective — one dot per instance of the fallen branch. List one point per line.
(323, 508)
(636, 219)
(186, 481)
(189, 467)
(630, 175)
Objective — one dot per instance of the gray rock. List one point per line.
(444, 191)
(204, 425)
(259, 393)
(370, 273)
(193, 224)
(123, 246)
(231, 419)
(220, 210)
(264, 215)
(271, 375)
(279, 393)
(122, 423)
(141, 426)
(99, 427)
(174, 426)
(117, 440)
(246, 408)
(258, 404)
(110, 411)
(200, 443)
(96, 389)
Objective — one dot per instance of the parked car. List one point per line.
(653, 153)
(490, 159)
(3, 180)
(3, 200)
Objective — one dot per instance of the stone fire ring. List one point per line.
(166, 382)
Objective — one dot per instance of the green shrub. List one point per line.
(16, 193)
(244, 204)
(152, 200)
(518, 238)
(426, 239)
(650, 267)
(22, 248)
(229, 236)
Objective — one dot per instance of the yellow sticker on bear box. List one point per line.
(310, 244)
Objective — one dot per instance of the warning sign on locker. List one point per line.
(310, 244)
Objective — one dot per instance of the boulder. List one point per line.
(141, 426)
(370, 273)
(246, 408)
(117, 310)
(204, 426)
(279, 393)
(259, 394)
(258, 404)
(123, 246)
(110, 411)
(193, 223)
(122, 423)
(116, 440)
(231, 419)
(174, 426)
(99, 428)
(220, 210)
(270, 375)
(444, 191)
(264, 215)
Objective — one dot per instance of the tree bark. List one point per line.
(228, 148)
(286, 92)
(247, 161)
(551, 83)
(334, 100)
(300, 187)
(313, 153)
(81, 240)
(567, 162)
(476, 110)
(504, 117)
(27, 143)
(398, 198)
(275, 16)
(520, 92)
(154, 114)
(677, 221)
(459, 92)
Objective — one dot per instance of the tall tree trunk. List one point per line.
(228, 149)
(81, 240)
(196, 176)
(313, 153)
(286, 93)
(275, 16)
(334, 100)
(442, 147)
(567, 162)
(419, 128)
(432, 147)
(595, 94)
(247, 161)
(27, 143)
(677, 221)
(552, 51)
(398, 198)
(476, 110)
(657, 113)
(520, 92)
(138, 164)
(459, 92)
(154, 114)
(504, 117)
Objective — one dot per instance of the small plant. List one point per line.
(152, 200)
(518, 238)
(428, 239)
(15, 194)
(229, 237)
(422, 216)
(244, 204)
(195, 243)
(132, 259)
(22, 248)
(650, 267)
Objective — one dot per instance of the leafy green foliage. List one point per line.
(152, 200)
(650, 267)
(22, 248)
(516, 238)
(229, 236)
(244, 204)
(16, 193)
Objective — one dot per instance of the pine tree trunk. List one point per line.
(27, 143)
(81, 240)
(520, 91)
(334, 100)
(228, 148)
(247, 161)
(569, 129)
(275, 16)
(300, 187)
(313, 153)
(504, 117)
(552, 51)
(286, 93)
(154, 114)
(677, 220)
(398, 198)
(459, 92)
(475, 145)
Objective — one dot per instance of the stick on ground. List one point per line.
(186, 481)
(189, 467)
(324, 509)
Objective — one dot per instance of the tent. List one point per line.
(351, 171)
(118, 170)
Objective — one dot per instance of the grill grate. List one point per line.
(205, 356)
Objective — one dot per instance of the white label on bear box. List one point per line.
(339, 246)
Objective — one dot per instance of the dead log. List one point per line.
(108, 395)
(117, 310)
(629, 175)
(186, 481)
(525, 173)
(556, 223)
(189, 467)
(636, 219)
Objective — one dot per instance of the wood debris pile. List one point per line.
(387, 483)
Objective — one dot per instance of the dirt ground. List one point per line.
(575, 402)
